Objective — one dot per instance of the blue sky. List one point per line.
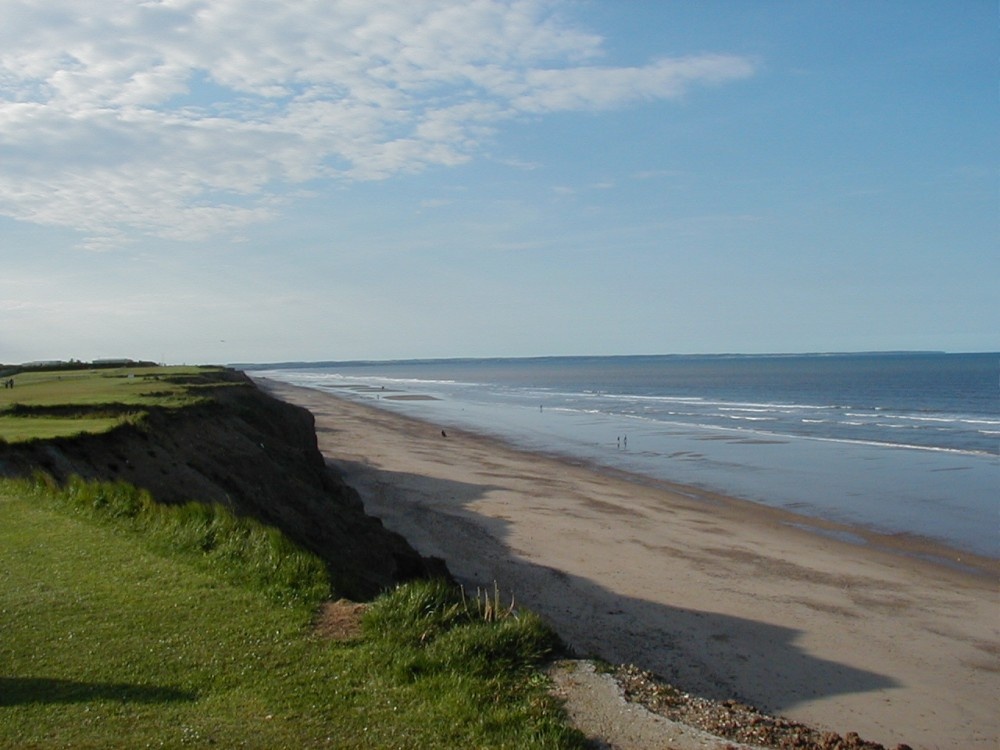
(238, 180)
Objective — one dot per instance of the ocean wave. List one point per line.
(637, 397)
(771, 424)
(846, 440)
(907, 446)
(722, 404)
(339, 378)
(942, 419)
(749, 431)
(911, 418)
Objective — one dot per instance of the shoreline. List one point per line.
(903, 543)
(947, 497)
(909, 544)
(720, 596)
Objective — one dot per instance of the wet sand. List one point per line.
(723, 598)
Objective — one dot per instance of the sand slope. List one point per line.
(720, 597)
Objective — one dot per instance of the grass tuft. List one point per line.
(489, 607)
(436, 627)
(415, 613)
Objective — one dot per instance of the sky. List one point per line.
(214, 181)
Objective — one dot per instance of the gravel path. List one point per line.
(597, 707)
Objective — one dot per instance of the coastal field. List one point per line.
(54, 403)
(893, 638)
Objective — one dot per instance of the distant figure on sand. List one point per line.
(444, 434)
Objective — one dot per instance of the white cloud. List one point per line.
(548, 90)
(183, 118)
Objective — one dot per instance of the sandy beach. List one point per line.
(723, 598)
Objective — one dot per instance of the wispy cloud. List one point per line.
(184, 118)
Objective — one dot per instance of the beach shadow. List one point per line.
(709, 654)
(19, 691)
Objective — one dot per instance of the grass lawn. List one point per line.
(108, 641)
(18, 429)
(98, 399)
(121, 385)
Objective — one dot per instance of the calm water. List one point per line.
(901, 443)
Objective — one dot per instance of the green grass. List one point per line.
(240, 550)
(111, 635)
(138, 386)
(20, 429)
(47, 404)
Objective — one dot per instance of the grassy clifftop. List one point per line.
(44, 404)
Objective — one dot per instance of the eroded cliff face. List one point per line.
(254, 454)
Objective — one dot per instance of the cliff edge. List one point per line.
(252, 453)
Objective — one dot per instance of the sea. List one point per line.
(898, 443)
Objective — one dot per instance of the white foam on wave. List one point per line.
(749, 424)
(906, 446)
(317, 378)
(912, 418)
(943, 419)
(637, 397)
(744, 431)
(721, 404)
